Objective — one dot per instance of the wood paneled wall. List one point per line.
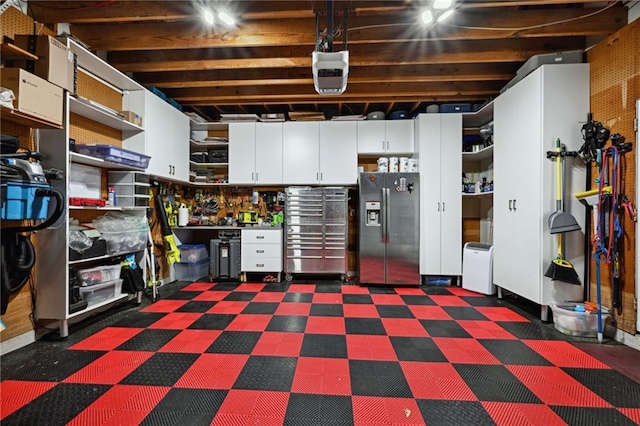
(615, 86)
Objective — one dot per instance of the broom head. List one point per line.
(561, 270)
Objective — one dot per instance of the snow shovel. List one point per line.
(560, 221)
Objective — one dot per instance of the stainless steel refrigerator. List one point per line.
(389, 250)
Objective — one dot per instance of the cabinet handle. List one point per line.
(514, 205)
(387, 145)
(259, 237)
(438, 206)
(443, 206)
(260, 265)
(169, 168)
(257, 178)
(252, 176)
(510, 203)
(321, 177)
(383, 145)
(259, 251)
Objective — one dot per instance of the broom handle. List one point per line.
(559, 182)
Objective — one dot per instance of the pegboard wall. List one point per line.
(84, 130)
(14, 22)
(90, 88)
(615, 86)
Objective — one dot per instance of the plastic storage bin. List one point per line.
(131, 189)
(101, 274)
(584, 324)
(115, 154)
(190, 253)
(120, 177)
(132, 201)
(125, 241)
(99, 293)
(192, 271)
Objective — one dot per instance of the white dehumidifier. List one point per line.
(477, 268)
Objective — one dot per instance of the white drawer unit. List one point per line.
(261, 251)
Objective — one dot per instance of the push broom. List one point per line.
(561, 222)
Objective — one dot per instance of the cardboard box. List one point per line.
(34, 95)
(132, 117)
(56, 63)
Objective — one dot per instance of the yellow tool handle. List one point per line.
(560, 253)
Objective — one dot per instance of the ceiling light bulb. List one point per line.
(442, 4)
(445, 15)
(427, 17)
(208, 16)
(226, 18)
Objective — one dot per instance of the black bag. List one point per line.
(132, 280)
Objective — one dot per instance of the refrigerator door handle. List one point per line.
(383, 214)
(387, 215)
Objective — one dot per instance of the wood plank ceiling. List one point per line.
(263, 63)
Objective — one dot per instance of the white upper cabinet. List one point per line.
(378, 137)
(255, 153)
(338, 153)
(301, 153)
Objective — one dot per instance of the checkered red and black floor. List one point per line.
(315, 354)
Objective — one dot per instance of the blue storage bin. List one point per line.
(455, 108)
(159, 93)
(20, 202)
(114, 154)
(192, 253)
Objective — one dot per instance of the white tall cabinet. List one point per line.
(550, 103)
(438, 138)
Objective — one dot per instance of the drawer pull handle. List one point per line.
(259, 237)
(259, 251)
(260, 265)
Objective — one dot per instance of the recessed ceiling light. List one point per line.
(226, 18)
(427, 17)
(208, 16)
(442, 4)
(445, 15)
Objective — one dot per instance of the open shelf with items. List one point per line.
(209, 141)
(99, 162)
(17, 117)
(100, 114)
(11, 51)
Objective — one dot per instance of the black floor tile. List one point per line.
(367, 326)
(186, 407)
(57, 406)
(292, 324)
(161, 369)
(444, 328)
(280, 287)
(464, 313)
(212, 322)
(588, 416)
(439, 290)
(357, 299)
(417, 300)
(495, 383)
(449, 413)
(417, 349)
(260, 308)
(139, 319)
(298, 297)
(378, 378)
(329, 288)
(394, 311)
(482, 301)
(271, 373)
(381, 290)
(196, 306)
(324, 346)
(235, 342)
(532, 330)
(240, 296)
(308, 409)
(513, 352)
(148, 340)
(51, 366)
(326, 310)
(225, 286)
(180, 295)
(612, 386)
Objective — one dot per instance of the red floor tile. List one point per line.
(107, 339)
(405, 327)
(409, 291)
(228, 307)
(513, 414)
(293, 308)
(110, 368)
(499, 313)
(15, 394)
(555, 387)
(485, 330)
(329, 376)
(248, 407)
(269, 296)
(459, 291)
(378, 411)
(359, 311)
(325, 325)
(353, 289)
(632, 413)
(376, 348)
(429, 312)
(464, 351)
(213, 371)
(121, 405)
(302, 288)
(564, 354)
(276, 343)
(448, 300)
(211, 296)
(387, 299)
(176, 321)
(191, 341)
(327, 298)
(436, 380)
(250, 287)
(198, 287)
(249, 322)
(164, 306)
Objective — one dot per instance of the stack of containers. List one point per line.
(131, 188)
(123, 233)
(194, 262)
(100, 284)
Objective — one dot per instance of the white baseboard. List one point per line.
(631, 340)
(17, 342)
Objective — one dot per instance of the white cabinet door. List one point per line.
(371, 137)
(301, 153)
(157, 136)
(242, 153)
(338, 153)
(268, 153)
(450, 194)
(399, 136)
(179, 144)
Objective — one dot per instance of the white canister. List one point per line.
(183, 215)
(393, 164)
(403, 164)
(412, 165)
(383, 164)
